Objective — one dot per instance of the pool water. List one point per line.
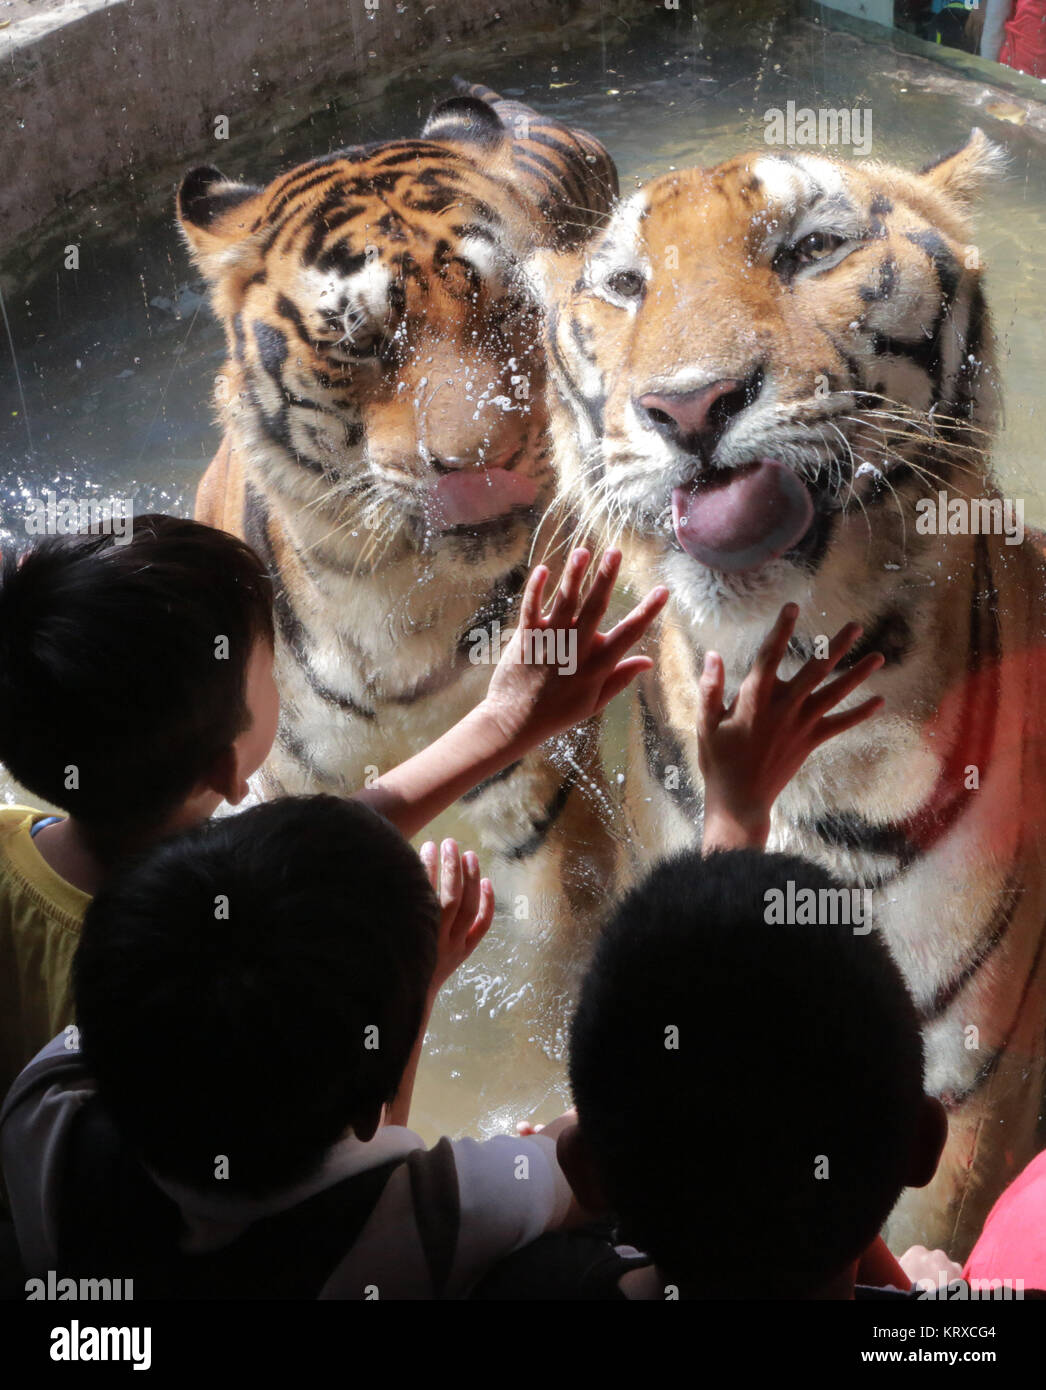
(108, 370)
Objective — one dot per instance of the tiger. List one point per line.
(767, 379)
(385, 441)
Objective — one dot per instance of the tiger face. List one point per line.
(748, 358)
(385, 375)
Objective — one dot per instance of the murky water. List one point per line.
(115, 361)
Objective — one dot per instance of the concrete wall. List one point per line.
(876, 11)
(92, 90)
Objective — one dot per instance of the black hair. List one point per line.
(254, 987)
(773, 1131)
(117, 691)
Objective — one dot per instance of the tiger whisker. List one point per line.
(852, 495)
(934, 423)
(904, 434)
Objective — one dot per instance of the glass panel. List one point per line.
(112, 354)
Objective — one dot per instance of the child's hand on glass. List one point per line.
(749, 751)
(466, 905)
(558, 668)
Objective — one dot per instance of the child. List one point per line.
(798, 1052)
(136, 691)
(784, 1061)
(250, 996)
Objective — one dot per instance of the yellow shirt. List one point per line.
(40, 917)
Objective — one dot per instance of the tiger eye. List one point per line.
(628, 284)
(817, 244)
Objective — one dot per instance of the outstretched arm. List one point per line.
(528, 701)
(749, 752)
(466, 910)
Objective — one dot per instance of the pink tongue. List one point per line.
(741, 524)
(478, 494)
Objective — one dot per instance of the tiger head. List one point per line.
(385, 375)
(754, 363)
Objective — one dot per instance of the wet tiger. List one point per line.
(769, 378)
(385, 450)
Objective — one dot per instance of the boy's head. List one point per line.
(135, 675)
(749, 1094)
(253, 988)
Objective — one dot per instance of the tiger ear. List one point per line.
(217, 217)
(962, 174)
(465, 118)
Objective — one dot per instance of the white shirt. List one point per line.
(510, 1190)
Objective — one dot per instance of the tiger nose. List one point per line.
(689, 418)
(483, 456)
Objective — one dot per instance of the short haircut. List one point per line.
(112, 665)
(254, 987)
(775, 1134)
